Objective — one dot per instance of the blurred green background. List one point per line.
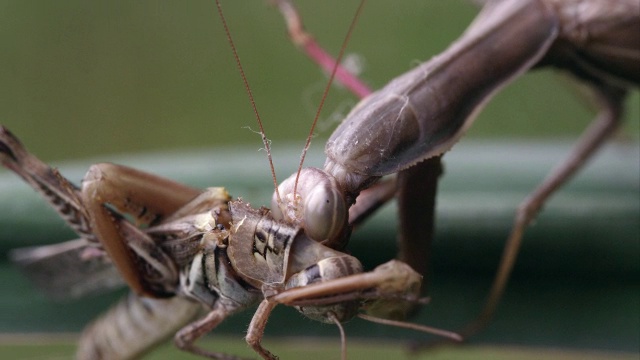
(99, 80)
(85, 78)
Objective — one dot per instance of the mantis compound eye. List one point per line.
(317, 205)
(324, 213)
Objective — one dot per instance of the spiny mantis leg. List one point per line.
(146, 197)
(393, 279)
(417, 190)
(605, 123)
(386, 290)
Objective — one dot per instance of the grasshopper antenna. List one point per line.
(336, 65)
(265, 141)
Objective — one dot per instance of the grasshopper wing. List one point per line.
(67, 270)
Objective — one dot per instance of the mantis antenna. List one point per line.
(265, 141)
(324, 94)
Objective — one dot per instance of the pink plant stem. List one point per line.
(326, 61)
(306, 42)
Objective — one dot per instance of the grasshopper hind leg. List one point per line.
(63, 196)
(149, 199)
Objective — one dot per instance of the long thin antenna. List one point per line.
(326, 91)
(265, 141)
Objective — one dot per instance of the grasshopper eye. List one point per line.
(324, 213)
